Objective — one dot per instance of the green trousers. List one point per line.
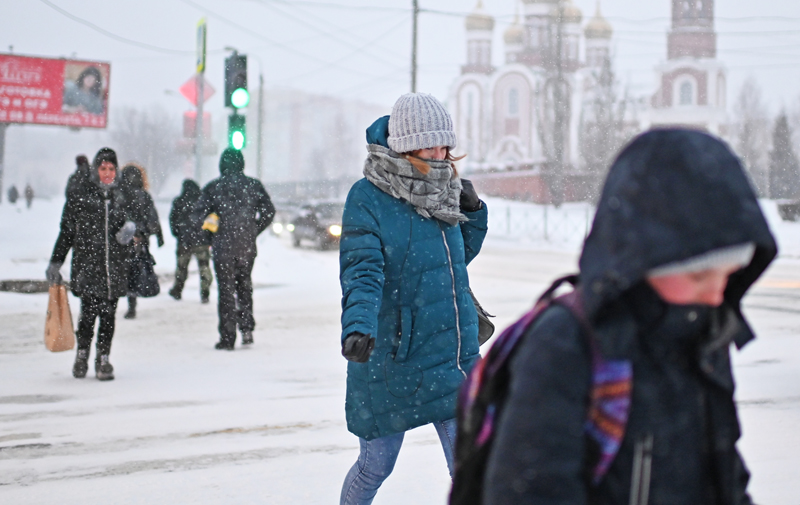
(203, 256)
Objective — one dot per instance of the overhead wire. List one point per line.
(258, 35)
(112, 35)
(305, 22)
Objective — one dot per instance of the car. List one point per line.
(789, 210)
(320, 223)
(285, 212)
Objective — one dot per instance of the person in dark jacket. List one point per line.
(94, 225)
(79, 176)
(409, 326)
(244, 210)
(192, 241)
(13, 194)
(677, 240)
(28, 195)
(142, 211)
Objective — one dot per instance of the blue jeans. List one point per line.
(377, 459)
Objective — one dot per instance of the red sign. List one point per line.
(190, 124)
(53, 91)
(189, 90)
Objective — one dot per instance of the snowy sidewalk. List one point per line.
(183, 423)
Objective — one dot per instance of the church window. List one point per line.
(513, 102)
(686, 92)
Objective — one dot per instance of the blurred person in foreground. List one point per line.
(409, 326)
(94, 225)
(244, 210)
(677, 240)
(192, 241)
(142, 211)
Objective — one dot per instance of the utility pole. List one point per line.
(201, 95)
(414, 47)
(3, 128)
(260, 142)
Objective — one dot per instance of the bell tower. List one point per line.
(692, 33)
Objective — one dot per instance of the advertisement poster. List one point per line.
(53, 91)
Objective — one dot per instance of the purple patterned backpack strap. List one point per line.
(612, 385)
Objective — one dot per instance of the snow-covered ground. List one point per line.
(183, 423)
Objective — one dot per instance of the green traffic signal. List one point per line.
(240, 98)
(237, 136)
(237, 140)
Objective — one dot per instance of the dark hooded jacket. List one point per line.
(242, 204)
(79, 176)
(188, 233)
(671, 195)
(92, 216)
(141, 208)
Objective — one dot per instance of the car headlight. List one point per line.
(277, 228)
(290, 227)
(335, 230)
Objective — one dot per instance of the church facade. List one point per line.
(512, 117)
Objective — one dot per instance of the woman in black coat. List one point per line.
(142, 211)
(94, 225)
(639, 408)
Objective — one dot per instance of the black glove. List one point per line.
(469, 197)
(357, 347)
(53, 273)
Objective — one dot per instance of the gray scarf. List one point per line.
(435, 195)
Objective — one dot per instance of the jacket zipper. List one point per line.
(642, 463)
(108, 269)
(455, 301)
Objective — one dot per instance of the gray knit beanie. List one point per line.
(420, 121)
(738, 255)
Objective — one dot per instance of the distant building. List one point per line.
(505, 115)
(692, 82)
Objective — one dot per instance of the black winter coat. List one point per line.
(141, 207)
(89, 222)
(244, 209)
(188, 233)
(671, 195)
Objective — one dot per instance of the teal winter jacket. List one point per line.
(404, 281)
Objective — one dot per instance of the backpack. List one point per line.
(483, 394)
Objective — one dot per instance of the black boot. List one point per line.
(224, 346)
(81, 365)
(131, 314)
(175, 293)
(204, 296)
(247, 337)
(103, 369)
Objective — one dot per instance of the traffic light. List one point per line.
(237, 134)
(236, 94)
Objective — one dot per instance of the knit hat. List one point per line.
(420, 121)
(739, 255)
(231, 161)
(105, 154)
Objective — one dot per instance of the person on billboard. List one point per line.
(85, 94)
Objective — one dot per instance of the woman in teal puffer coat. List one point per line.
(409, 326)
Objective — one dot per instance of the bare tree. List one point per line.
(751, 127)
(148, 135)
(784, 173)
(603, 130)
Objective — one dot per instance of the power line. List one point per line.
(326, 33)
(111, 34)
(262, 37)
(348, 7)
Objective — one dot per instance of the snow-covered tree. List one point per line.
(751, 130)
(784, 169)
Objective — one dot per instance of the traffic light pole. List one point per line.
(3, 128)
(260, 142)
(414, 47)
(198, 129)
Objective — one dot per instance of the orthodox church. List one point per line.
(507, 115)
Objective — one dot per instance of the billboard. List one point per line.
(53, 91)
